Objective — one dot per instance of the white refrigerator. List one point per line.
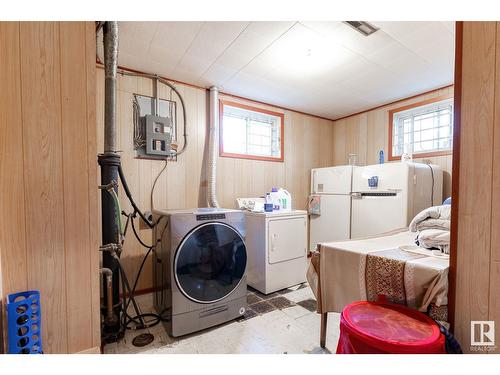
(357, 202)
(331, 189)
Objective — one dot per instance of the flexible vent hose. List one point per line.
(212, 149)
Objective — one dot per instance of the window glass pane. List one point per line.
(234, 137)
(426, 128)
(248, 132)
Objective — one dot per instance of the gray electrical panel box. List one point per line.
(154, 127)
(158, 135)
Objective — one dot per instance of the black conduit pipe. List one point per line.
(129, 195)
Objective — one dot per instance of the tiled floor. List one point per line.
(283, 322)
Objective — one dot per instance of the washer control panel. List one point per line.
(205, 217)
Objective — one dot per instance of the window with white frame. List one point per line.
(424, 129)
(250, 133)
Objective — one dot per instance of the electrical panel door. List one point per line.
(158, 135)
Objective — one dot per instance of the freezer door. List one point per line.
(333, 223)
(375, 214)
(388, 176)
(331, 180)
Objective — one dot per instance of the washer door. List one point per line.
(210, 262)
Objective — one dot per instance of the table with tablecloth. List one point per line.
(377, 268)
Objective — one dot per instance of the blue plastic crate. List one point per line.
(24, 323)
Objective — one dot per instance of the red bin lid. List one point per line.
(392, 324)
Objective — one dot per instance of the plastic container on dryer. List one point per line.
(285, 200)
(268, 205)
(275, 199)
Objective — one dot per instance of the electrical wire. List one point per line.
(432, 188)
(129, 297)
(129, 195)
(117, 210)
(137, 235)
(174, 89)
(139, 137)
(139, 320)
(154, 185)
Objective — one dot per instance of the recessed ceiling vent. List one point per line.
(363, 27)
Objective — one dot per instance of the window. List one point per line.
(425, 129)
(250, 133)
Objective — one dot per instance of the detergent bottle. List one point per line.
(285, 200)
(275, 198)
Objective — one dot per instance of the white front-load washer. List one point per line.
(199, 268)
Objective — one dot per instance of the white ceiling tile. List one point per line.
(326, 68)
(135, 37)
(216, 74)
(214, 38)
(139, 30)
(175, 36)
(171, 41)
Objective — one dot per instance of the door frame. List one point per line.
(452, 276)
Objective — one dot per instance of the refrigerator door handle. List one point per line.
(357, 195)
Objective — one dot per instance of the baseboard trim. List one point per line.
(94, 350)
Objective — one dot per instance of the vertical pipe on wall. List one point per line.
(110, 163)
(212, 147)
(110, 67)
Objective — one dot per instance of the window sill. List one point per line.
(251, 157)
(423, 155)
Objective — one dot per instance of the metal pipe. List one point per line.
(110, 30)
(157, 100)
(212, 149)
(110, 162)
(110, 315)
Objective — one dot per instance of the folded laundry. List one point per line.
(433, 227)
(434, 239)
(442, 215)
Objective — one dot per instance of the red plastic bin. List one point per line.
(382, 328)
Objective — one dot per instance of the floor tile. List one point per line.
(309, 304)
(300, 295)
(295, 311)
(262, 307)
(280, 302)
(252, 298)
(266, 296)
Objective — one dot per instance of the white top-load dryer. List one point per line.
(277, 249)
(354, 201)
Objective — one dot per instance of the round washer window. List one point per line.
(210, 262)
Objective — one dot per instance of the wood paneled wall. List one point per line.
(366, 133)
(48, 195)
(308, 144)
(477, 276)
(2, 348)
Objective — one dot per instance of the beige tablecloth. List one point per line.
(339, 274)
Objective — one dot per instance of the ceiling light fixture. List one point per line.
(363, 27)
